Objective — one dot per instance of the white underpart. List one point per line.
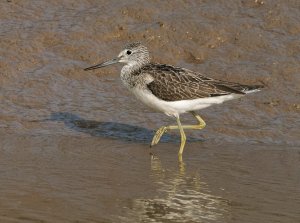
(174, 108)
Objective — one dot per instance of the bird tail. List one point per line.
(252, 88)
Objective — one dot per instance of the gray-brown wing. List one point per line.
(173, 83)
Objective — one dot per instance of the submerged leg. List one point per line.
(164, 129)
(183, 138)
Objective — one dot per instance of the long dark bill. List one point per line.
(110, 62)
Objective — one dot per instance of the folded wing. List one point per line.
(174, 83)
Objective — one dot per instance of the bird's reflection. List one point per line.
(183, 197)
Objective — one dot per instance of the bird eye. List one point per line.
(128, 52)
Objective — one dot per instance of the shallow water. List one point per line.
(75, 145)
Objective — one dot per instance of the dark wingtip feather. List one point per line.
(229, 89)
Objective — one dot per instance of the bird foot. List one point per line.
(158, 135)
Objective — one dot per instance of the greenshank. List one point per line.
(172, 90)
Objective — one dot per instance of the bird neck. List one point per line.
(131, 68)
(130, 73)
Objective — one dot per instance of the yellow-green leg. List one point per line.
(164, 129)
(183, 138)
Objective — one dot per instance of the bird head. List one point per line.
(133, 54)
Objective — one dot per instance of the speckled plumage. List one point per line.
(175, 83)
(171, 83)
(172, 90)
